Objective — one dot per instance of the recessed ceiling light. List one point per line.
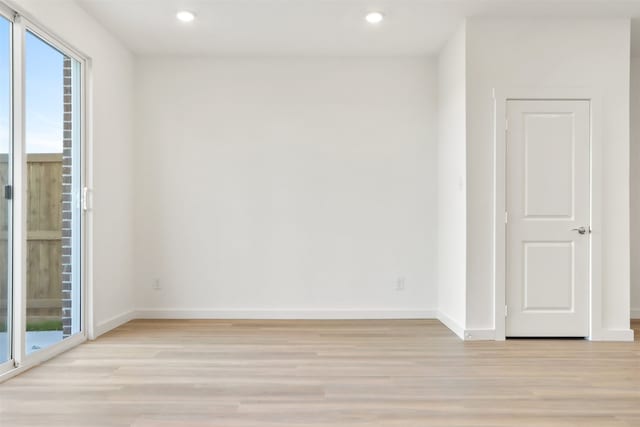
(374, 17)
(185, 16)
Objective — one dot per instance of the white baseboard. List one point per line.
(635, 313)
(148, 313)
(479, 334)
(455, 327)
(614, 335)
(112, 323)
(466, 334)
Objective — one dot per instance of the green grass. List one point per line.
(45, 325)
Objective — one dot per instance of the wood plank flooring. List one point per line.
(201, 373)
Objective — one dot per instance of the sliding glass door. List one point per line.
(42, 193)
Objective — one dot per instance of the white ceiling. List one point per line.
(319, 27)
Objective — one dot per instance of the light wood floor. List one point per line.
(325, 373)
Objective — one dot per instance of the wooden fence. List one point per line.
(44, 238)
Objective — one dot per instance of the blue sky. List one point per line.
(44, 97)
(4, 85)
(44, 94)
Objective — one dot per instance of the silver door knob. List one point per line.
(581, 230)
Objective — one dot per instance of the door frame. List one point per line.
(22, 25)
(87, 312)
(21, 360)
(501, 96)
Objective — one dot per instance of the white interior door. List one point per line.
(548, 232)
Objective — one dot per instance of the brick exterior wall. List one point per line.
(67, 197)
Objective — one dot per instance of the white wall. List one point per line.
(452, 140)
(112, 216)
(307, 187)
(286, 187)
(635, 188)
(507, 53)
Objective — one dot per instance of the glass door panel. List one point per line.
(5, 206)
(52, 138)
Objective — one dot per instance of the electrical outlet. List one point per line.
(156, 285)
(400, 284)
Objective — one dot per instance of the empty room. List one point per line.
(350, 213)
